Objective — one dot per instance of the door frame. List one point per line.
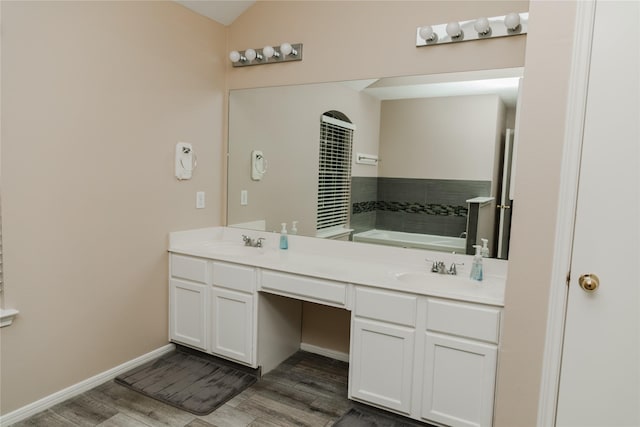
(565, 220)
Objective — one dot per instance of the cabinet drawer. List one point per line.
(386, 306)
(237, 277)
(465, 320)
(190, 268)
(306, 288)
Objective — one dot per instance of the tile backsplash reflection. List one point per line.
(429, 206)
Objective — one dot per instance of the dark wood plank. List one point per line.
(122, 420)
(141, 407)
(281, 413)
(283, 392)
(228, 416)
(46, 418)
(333, 407)
(84, 410)
(199, 423)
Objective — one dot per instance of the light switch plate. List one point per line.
(200, 200)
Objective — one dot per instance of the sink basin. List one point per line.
(413, 277)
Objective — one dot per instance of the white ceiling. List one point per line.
(502, 82)
(222, 11)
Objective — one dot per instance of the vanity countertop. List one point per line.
(401, 269)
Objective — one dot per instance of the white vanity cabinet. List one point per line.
(382, 348)
(426, 349)
(212, 307)
(459, 363)
(188, 291)
(233, 312)
(428, 358)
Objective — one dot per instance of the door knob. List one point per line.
(589, 282)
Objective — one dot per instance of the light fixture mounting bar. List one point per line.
(497, 28)
(277, 58)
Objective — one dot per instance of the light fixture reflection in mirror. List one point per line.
(417, 186)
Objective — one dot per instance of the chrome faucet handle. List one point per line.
(259, 242)
(246, 239)
(453, 270)
(434, 265)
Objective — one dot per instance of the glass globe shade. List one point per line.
(453, 29)
(482, 25)
(268, 51)
(426, 33)
(234, 56)
(286, 49)
(250, 54)
(512, 21)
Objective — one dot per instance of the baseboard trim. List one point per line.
(71, 391)
(338, 355)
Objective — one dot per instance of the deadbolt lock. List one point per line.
(589, 282)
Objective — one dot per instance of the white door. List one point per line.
(600, 374)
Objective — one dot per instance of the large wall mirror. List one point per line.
(427, 159)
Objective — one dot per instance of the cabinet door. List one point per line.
(381, 365)
(459, 381)
(232, 325)
(187, 313)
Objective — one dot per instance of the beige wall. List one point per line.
(440, 138)
(326, 327)
(541, 138)
(63, 237)
(94, 97)
(284, 123)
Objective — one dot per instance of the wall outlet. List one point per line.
(244, 198)
(200, 200)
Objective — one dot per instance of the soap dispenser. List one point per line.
(294, 227)
(284, 239)
(485, 249)
(476, 267)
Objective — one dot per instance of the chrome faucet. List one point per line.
(254, 243)
(440, 267)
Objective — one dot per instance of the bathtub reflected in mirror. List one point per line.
(412, 240)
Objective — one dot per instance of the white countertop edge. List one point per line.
(481, 200)
(7, 315)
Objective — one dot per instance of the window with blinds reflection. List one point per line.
(334, 180)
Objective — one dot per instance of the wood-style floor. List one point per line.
(305, 390)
